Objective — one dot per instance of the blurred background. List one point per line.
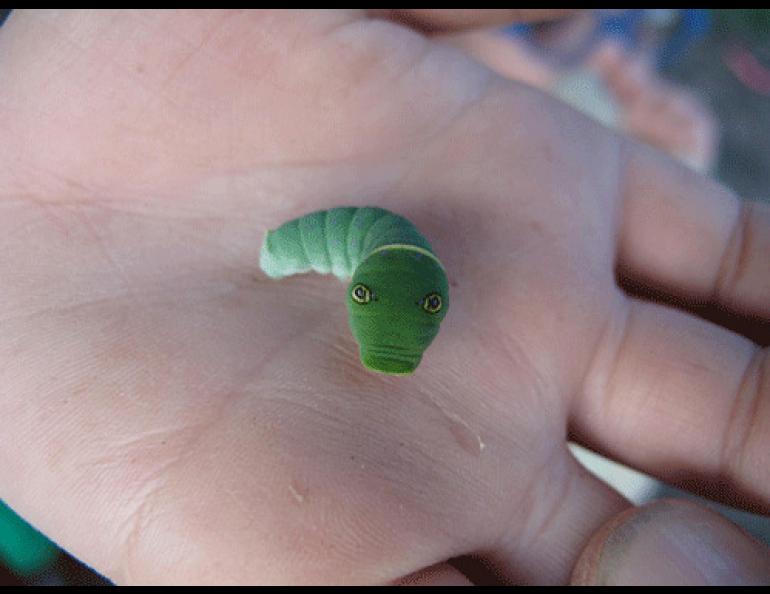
(692, 82)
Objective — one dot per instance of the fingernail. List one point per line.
(679, 543)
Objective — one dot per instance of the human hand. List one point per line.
(171, 415)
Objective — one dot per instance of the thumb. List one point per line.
(672, 542)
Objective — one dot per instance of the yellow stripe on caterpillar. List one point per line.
(405, 246)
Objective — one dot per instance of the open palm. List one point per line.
(169, 414)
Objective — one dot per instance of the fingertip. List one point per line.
(606, 58)
(672, 542)
(586, 571)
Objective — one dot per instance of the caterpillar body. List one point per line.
(398, 292)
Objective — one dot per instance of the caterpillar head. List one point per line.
(396, 302)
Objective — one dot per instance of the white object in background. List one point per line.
(634, 485)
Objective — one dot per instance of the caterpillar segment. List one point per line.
(398, 293)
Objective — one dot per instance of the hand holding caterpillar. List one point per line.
(398, 294)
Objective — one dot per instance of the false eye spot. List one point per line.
(361, 294)
(432, 303)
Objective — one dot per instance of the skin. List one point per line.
(169, 430)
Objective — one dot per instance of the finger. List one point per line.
(657, 120)
(681, 399)
(672, 542)
(628, 78)
(692, 237)
(571, 505)
(607, 59)
(435, 20)
(505, 55)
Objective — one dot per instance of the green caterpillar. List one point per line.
(398, 293)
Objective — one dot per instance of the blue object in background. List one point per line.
(628, 27)
(22, 548)
(694, 23)
(624, 26)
